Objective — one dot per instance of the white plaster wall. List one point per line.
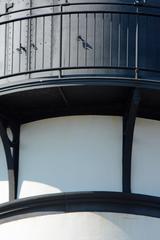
(82, 226)
(146, 157)
(77, 153)
(4, 189)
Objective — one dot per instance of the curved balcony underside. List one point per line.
(38, 100)
(79, 58)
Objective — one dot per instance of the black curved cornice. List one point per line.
(116, 202)
(37, 100)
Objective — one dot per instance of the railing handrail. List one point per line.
(81, 4)
(79, 12)
(84, 68)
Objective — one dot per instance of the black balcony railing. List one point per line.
(111, 40)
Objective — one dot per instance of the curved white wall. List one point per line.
(77, 153)
(4, 187)
(82, 226)
(146, 157)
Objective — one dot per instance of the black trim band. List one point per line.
(116, 202)
(79, 81)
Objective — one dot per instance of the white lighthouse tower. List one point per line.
(79, 119)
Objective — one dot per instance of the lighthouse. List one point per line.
(79, 119)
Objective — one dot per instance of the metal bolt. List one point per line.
(34, 46)
(21, 48)
(140, 2)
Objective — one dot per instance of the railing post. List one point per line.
(29, 55)
(60, 50)
(137, 43)
(5, 49)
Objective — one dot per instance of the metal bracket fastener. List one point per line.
(85, 44)
(34, 46)
(140, 2)
(21, 48)
(8, 6)
(65, 2)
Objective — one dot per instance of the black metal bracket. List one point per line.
(11, 148)
(128, 132)
(21, 48)
(34, 46)
(9, 6)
